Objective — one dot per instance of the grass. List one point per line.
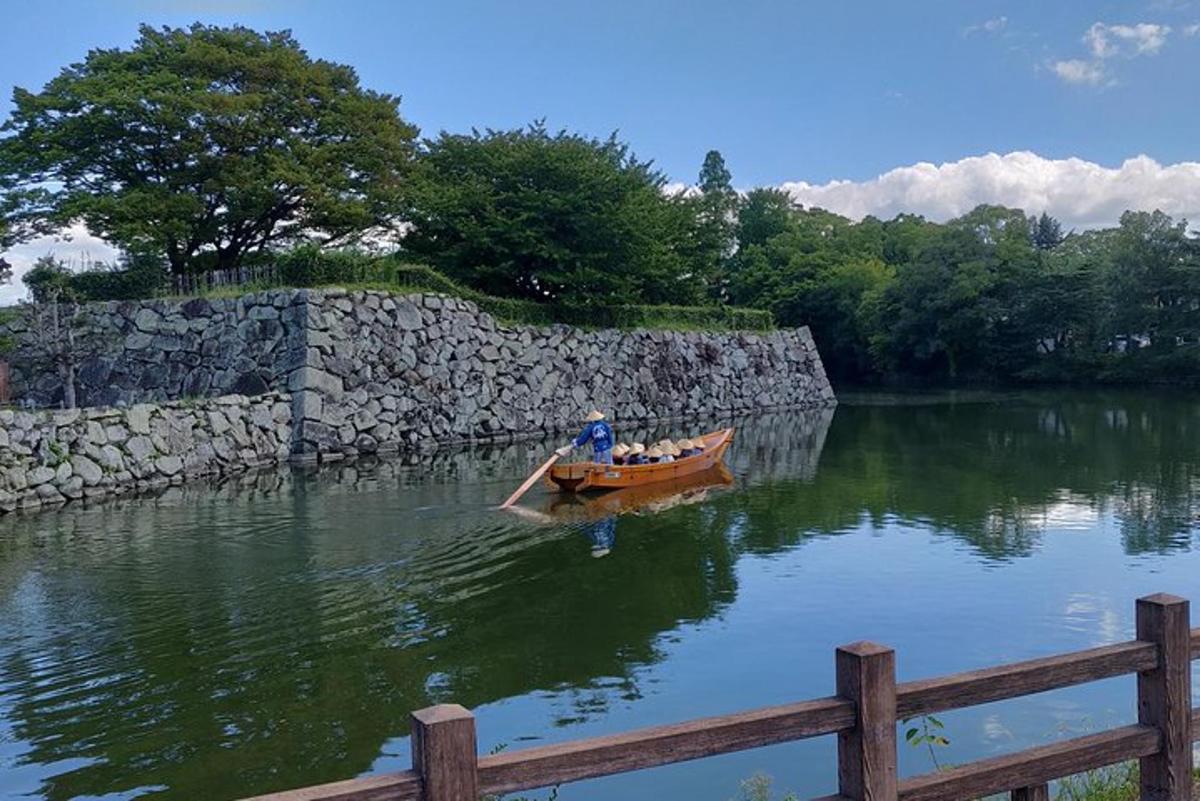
(518, 312)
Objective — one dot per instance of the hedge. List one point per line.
(312, 267)
(617, 316)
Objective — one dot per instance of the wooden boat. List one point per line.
(581, 476)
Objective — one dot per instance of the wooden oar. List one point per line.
(529, 482)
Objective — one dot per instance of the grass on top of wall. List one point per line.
(310, 268)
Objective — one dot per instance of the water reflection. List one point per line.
(275, 630)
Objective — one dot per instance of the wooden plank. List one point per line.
(444, 753)
(1196, 724)
(1033, 766)
(959, 690)
(551, 765)
(1165, 697)
(866, 675)
(402, 786)
(1033, 792)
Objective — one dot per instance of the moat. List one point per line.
(275, 631)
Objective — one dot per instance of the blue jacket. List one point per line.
(599, 433)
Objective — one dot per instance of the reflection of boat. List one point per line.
(581, 476)
(656, 497)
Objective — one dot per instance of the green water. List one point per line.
(218, 642)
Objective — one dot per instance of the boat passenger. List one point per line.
(686, 448)
(636, 455)
(619, 453)
(698, 444)
(654, 455)
(596, 431)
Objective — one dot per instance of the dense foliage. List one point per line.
(992, 295)
(551, 217)
(203, 146)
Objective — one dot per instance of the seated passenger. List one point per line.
(698, 444)
(654, 455)
(636, 455)
(686, 448)
(619, 453)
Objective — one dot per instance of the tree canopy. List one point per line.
(204, 145)
(551, 216)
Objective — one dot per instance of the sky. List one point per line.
(1082, 109)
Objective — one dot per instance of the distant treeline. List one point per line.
(211, 148)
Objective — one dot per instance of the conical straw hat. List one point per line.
(593, 416)
(637, 447)
(655, 452)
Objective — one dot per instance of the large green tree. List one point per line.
(716, 221)
(548, 216)
(204, 145)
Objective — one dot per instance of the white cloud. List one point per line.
(994, 25)
(75, 246)
(1082, 194)
(1191, 30)
(1076, 70)
(1106, 42)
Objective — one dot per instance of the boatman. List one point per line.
(599, 433)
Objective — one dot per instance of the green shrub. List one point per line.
(533, 313)
(133, 283)
(310, 266)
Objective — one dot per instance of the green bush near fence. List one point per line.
(312, 267)
(532, 313)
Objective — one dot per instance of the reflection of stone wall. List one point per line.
(50, 457)
(371, 371)
(159, 350)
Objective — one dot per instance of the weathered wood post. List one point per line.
(1035, 792)
(1165, 697)
(866, 675)
(444, 753)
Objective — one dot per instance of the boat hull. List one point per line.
(584, 476)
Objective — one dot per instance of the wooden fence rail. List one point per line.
(864, 715)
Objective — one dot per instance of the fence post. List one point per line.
(1034, 792)
(444, 753)
(1165, 697)
(866, 675)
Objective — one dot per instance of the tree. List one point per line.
(716, 221)
(547, 216)
(1047, 232)
(204, 145)
(48, 279)
(764, 213)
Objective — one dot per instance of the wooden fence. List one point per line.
(864, 715)
(196, 283)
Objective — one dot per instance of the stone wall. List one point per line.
(374, 372)
(50, 457)
(159, 350)
(382, 372)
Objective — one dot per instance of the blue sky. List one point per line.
(860, 107)
(786, 90)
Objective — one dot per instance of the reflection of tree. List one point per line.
(990, 471)
(246, 642)
(248, 638)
